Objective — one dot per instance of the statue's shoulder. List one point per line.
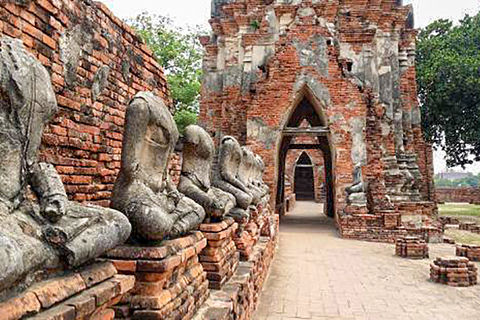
(229, 141)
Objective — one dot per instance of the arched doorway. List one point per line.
(308, 108)
(304, 183)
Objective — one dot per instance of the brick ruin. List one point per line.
(464, 194)
(304, 173)
(347, 68)
(97, 64)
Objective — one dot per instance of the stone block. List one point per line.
(98, 272)
(26, 303)
(58, 289)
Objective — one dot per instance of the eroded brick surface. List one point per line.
(68, 297)
(345, 66)
(170, 283)
(76, 40)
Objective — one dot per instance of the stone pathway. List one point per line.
(317, 275)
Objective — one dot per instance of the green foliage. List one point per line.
(184, 118)
(448, 77)
(179, 52)
(255, 25)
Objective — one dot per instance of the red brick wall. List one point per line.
(84, 140)
(469, 195)
(316, 157)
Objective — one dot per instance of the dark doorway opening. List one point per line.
(304, 185)
(308, 108)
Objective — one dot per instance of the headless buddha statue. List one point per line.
(225, 176)
(144, 191)
(195, 179)
(246, 172)
(39, 228)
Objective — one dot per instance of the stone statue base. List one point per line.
(220, 258)
(248, 233)
(86, 293)
(170, 281)
(243, 289)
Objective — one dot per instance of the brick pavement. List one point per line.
(317, 275)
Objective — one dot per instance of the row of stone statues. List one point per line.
(41, 231)
(145, 192)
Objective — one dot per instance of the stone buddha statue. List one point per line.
(226, 178)
(144, 191)
(259, 169)
(356, 192)
(40, 229)
(246, 172)
(195, 180)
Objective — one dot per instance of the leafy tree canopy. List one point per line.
(184, 118)
(179, 52)
(448, 77)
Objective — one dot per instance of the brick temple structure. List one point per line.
(347, 68)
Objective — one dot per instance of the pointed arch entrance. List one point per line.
(304, 182)
(306, 108)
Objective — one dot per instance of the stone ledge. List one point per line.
(170, 281)
(238, 297)
(85, 293)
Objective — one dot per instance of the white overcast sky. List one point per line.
(197, 12)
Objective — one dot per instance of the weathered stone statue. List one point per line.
(225, 175)
(246, 173)
(356, 192)
(143, 190)
(259, 170)
(39, 228)
(195, 180)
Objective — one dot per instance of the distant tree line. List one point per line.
(471, 181)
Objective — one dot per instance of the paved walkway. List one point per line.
(317, 275)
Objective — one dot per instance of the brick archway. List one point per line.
(306, 108)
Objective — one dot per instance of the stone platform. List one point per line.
(86, 293)
(472, 252)
(238, 298)
(220, 257)
(411, 247)
(455, 272)
(170, 281)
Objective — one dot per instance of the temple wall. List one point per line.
(354, 61)
(468, 195)
(97, 64)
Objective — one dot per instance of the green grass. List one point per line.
(463, 237)
(459, 209)
(465, 212)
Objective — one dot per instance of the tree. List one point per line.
(184, 118)
(448, 78)
(179, 52)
